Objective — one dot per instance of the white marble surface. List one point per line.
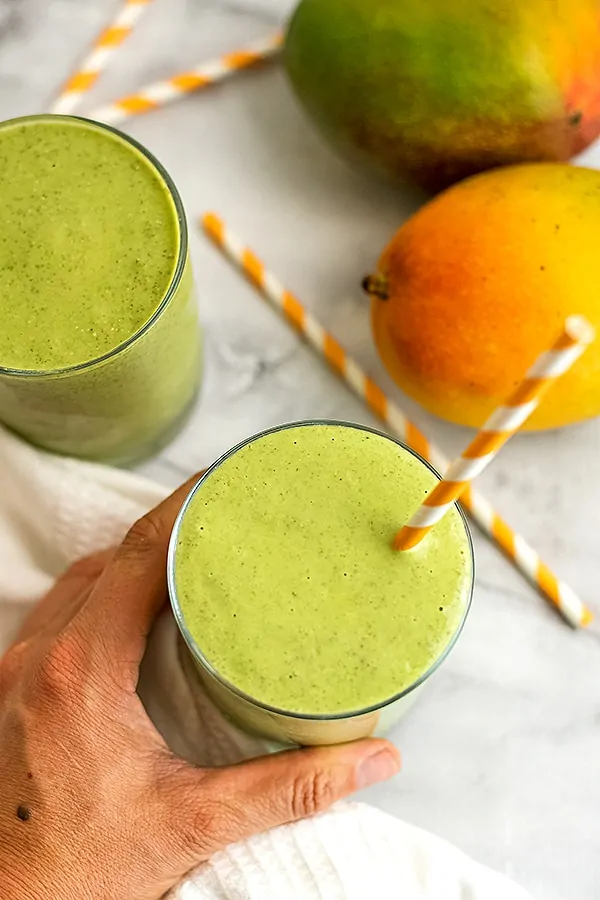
(502, 756)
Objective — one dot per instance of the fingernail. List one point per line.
(379, 767)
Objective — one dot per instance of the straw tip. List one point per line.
(587, 617)
(408, 538)
(213, 226)
(579, 329)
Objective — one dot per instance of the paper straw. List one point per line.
(109, 40)
(208, 73)
(576, 336)
(522, 555)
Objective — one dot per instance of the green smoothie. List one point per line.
(99, 348)
(286, 581)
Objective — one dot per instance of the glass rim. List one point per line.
(194, 648)
(181, 258)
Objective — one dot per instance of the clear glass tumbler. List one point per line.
(280, 725)
(128, 403)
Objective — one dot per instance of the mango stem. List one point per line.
(377, 286)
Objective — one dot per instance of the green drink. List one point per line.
(99, 345)
(305, 624)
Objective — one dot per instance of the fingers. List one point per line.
(219, 807)
(133, 588)
(65, 598)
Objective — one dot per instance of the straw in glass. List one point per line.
(577, 334)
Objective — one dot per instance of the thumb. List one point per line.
(234, 803)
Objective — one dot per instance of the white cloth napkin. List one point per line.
(55, 510)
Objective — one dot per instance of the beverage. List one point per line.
(305, 624)
(99, 345)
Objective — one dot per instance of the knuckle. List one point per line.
(144, 535)
(11, 666)
(203, 828)
(86, 568)
(59, 672)
(199, 820)
(311, 794)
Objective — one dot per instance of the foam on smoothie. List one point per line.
(287, 580)
(89, 242)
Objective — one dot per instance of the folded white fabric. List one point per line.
(53, 511)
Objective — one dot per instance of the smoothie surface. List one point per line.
(89, 240)
(287, 580)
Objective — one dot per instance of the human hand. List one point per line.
(92, 802)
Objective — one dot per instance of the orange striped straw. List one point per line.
(576, 336)
(162, 92)
(109, 40)
(521, 554)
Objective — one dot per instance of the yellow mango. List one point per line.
(478, 283)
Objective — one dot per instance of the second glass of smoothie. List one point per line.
(99, 344)
(304, 624)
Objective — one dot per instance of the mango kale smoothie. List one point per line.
(99, 345)
(290, 595)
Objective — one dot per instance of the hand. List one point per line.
(92, 802)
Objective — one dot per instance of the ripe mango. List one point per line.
(436, 90)
(479, 282)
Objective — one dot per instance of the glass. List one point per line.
(128, 403)
(280, 725)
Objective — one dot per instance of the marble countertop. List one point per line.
(502, 754)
